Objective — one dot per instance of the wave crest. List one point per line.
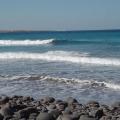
(81, 83)
(61, 56)
(25, 42)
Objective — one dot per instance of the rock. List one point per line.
(26, 108)
(7, 117)
(44, 109)
(97, 113)
(21, 114)
(71, 100)
(28, 98)
(4, 100)
(33, 116)
(48, 100)
(75, 115)
(58, 101)
(67, 111)
(51, 107)
(20, 107)
(6, 111)
(64, 117)
(116, 105)
(45, 116)
(19, 101)
(106, 118)
(55, 113)
(15, 96)
(23, 119)
(1, 117)
(86, 117)
(61, 106)
(26, 112)
(93, 104)
(36, 103)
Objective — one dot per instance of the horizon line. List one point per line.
(5, 31)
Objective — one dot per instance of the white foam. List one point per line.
(91, 83)
(24, 42)
(61, 56)
(70, 81)
(79, 82)
(111, 85)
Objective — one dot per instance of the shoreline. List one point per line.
(49, 108)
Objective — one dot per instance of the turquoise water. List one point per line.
(82, 64)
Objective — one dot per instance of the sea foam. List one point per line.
(24, 42)
(61, 56)
(69, 81)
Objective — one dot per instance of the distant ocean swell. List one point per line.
(82, 83)
(29, 42)
(61, 56)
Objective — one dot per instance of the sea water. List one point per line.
(81, 64)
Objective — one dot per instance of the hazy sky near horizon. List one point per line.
(59, 14)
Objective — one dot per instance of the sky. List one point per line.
(59, 14)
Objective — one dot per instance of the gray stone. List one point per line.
(48, 99)
(61, 106)
(55, 113)
(26, 112)
(4, 100)
(44, 116)
(86, 117)
(51, 107)
(1, 117)
(71, 100)
(64, 117)
(116, 105)
(6, 110)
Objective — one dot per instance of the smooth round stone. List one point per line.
(97, 113)
(58, 101)
(71, 100)
(48, 99)
(6, 110)
(116, 105)
(33, 116)
(64, 117)
(55, 113)
(45, 116)
(106, 118)
(28, 98)
(67, 111)
(51, 107)
(1, 117)
(93, 104)
(61, 106)
(75, 115)
(4, 100)
(24, 113)
(85, 117)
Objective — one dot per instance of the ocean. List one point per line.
(80, 64)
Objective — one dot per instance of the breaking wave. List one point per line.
(61, 56)
(25, 42)
(82, 83)
(29, 42)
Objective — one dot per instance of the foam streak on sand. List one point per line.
(61, 56)
(24, 42)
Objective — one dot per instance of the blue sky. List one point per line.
(59, 14)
